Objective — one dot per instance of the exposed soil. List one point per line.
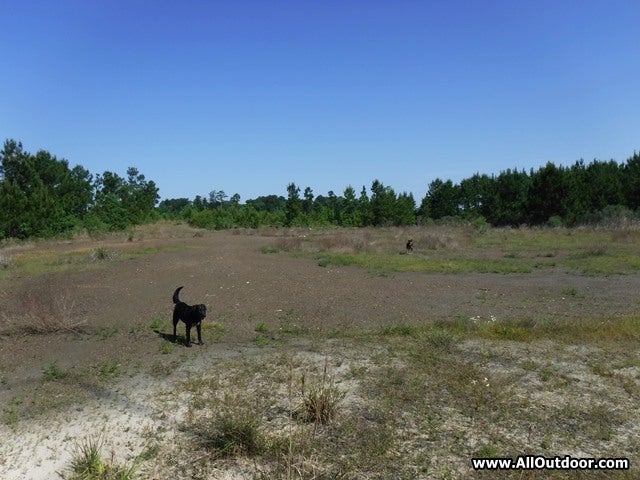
(120, 299)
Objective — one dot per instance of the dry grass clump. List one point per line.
(434, 241)
(288, 244)
(334, 242)
(44, 308)
(5, 259)
(320, 402)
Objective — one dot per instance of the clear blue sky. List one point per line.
(247, 96)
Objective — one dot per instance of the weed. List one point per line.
(487, 451)
(399, 330)
(87, 464)
(261, 341)
(570, 292)
(155, 323)
(262, 327)
(109, 369)
(324, 262)
(166, 348)
(53, 372)
(229, 427)
(106, 332)
(102, 254)
(320, 402)
(135, 329)
(214, 331)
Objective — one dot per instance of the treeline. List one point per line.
(41, 196)
(571, 195)
(381, 207)
(579, 194)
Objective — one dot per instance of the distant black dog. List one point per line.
(410, 246)
(190, 314)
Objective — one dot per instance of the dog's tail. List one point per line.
(176, 295)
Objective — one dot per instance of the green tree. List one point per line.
(307, 203)
(364, 208)
(546, 194)
(405, 211)
(441, 200)
(511, 189)
(349, 215)
(293, 207)
(382, 204)
(631, 184)
(39, 195)
(477, 196)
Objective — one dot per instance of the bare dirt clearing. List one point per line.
(427, 394)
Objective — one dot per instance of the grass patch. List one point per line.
(109, 369)
(320, 402)
(106, 332)
(88, 463)
(457, 250)
(53, 372)
(416, 263)
(156, 323)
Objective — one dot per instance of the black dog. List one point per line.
(410, 246)
(190, 314)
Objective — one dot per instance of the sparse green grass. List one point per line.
(109, 369)
(39, 261)
(213, 331)
(261, 341)
(106, 332)
(262, 327)
(53, 372)
(156, 323)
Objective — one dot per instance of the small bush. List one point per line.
(45, 309)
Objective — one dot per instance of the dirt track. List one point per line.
(244, 287)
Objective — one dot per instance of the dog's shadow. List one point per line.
(180, 339)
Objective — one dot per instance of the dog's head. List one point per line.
(202, 310)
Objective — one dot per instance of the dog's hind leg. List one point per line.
(188, 344)
(199, 329)
(176, 319)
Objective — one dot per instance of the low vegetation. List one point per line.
(89, 464)
(414, 399)
(455, 250)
